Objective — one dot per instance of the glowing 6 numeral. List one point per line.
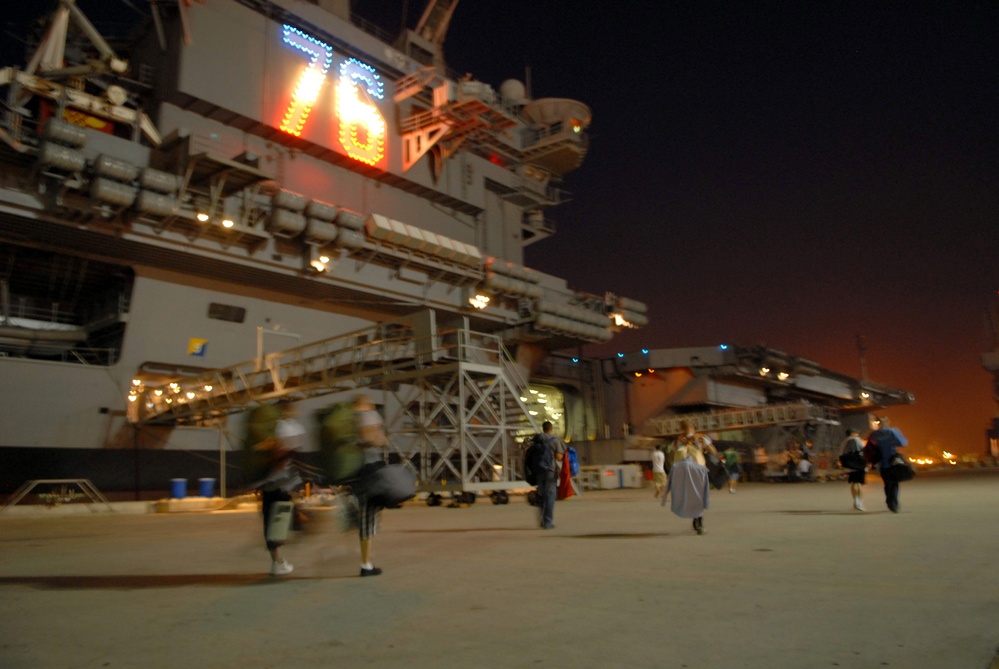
(362, 127)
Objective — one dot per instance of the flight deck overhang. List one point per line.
(730, 377)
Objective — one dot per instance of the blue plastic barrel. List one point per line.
(178, 488)
(206, 487)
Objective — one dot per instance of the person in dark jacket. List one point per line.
(887, 440)
(547, 476)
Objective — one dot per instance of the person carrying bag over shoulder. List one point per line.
(887, 440)
(852, 459)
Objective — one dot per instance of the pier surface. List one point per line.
(784, 576)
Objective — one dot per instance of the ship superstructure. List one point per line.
(251, 178)
(254, 200)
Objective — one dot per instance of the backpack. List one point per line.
(573, 458)
(342, 455)
(534, 460)
(853, 460)
(260, 427)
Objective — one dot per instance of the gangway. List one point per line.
(452, 398)
(742, 418)
(787, 422)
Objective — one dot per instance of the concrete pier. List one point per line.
(784, 576)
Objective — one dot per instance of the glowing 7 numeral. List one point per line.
(311, 80)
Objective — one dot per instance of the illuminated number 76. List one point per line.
(311, 80)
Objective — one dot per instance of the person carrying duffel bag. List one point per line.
(377, 484)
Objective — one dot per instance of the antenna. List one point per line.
(862, 350)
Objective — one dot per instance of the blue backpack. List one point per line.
(570, 454)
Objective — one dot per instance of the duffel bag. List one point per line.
(388, 485)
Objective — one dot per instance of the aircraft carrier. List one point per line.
(243, 201)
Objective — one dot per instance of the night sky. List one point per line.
(788, 174)
(792, 174)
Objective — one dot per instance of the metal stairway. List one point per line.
(451, 398)
(460, 422)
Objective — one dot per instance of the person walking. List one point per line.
(547, 475)
(658, 471)
(731, 460)
(688, 477)
(371, 437)
(281, 480)
(887, 439)
(688, 481)
(852, 458)
(291, 434)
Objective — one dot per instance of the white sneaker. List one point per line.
(281, 568)
(859, 506)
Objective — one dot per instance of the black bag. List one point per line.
(900, 469)
(385, 485)
(717, 473)
(534, 460)
(853, 460)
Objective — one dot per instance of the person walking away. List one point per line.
(547, 480)
(688, 481)
(731, 459)
(852, 453)
(689, 484)
(658, 471)
(370, 432)
(887, 440)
